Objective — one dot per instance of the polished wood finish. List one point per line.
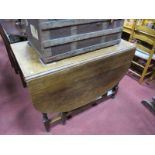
(73, 82)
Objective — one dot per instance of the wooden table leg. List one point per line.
(63, 117)
(46, 121)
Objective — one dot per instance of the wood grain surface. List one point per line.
(74, 87)
(71, 83)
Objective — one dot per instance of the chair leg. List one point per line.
(146, 68)
(10, 57)
(22, 79)
(21, 75)
(12, 60)
(16, 67)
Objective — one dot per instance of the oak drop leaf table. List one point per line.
(71, 83)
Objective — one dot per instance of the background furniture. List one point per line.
(128, 29)
(141, 32)
(8, 39)
(15, 31)
(8, 48)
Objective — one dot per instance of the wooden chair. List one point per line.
(8, 48)
(128, 29)
(150, 51)
(11, 56)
